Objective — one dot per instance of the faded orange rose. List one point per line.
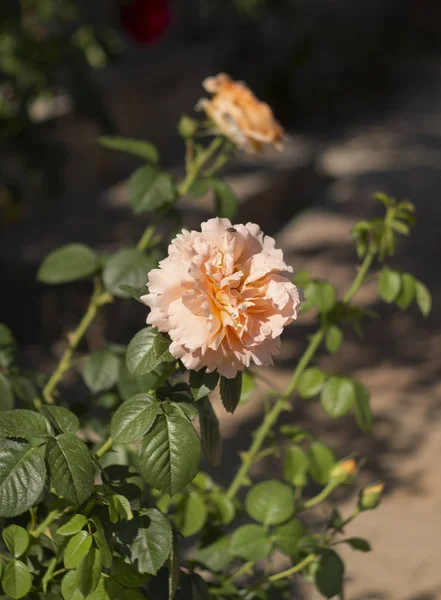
(239, 115)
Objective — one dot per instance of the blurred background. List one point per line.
(357, 85)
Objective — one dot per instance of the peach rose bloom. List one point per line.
(239, 115)
(224, 296)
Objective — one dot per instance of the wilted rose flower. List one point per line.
(239, 115)
(224, 296)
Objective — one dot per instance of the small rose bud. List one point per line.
(343, 472)
(370, 497)
(187, 127)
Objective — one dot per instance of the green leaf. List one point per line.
(225, 199)
(423, 298)
(338, 396)
(230, 390)
(358, 544)
(215, 556)
(6, 396)
(127, 267)
(400, 227)
(74, 525)
(202, 383)
(321, 460)
(321, 294)
(133, 292)
(311, 382)
(169, 454)
(363, 413)
(248, 385)
(389, 284)
(150, 188)
(191, 514)
(270, 502)
(295, 466)
(210, 433)
(334, 339)
(152, 544)
(250, 542)
(61, 418)
(329, 574)
(134, 418)
(76, 549)
(129, 385)
(24, 389)
(106, 590)
(225, 507)
(16, 580)
(100, 371)
(192, 587)
(7, 347)
(119, 507)
(16, 539)
(147, 350)
(126, 575)
(23, 423)
(22, 477)
(200, 187)
(68, 263)
(100, 539)
(287, 536)
(408, 291)
(89, 572)
(140, 148)
(70, 468)
(69, 588)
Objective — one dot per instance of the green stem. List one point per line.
(98, 299)
(49, 574)
(104, 448)
(51, 517)
(350, 518)
(281, 404)
(245, 568)
(59, 572)
(326, 491)
(272, 416)
(195, 166)
(146, 238)
(295, 569)
(362, 272)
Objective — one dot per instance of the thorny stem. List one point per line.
(282, 403)
(272, 416)
(98, 299)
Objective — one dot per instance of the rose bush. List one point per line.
(98, 509)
